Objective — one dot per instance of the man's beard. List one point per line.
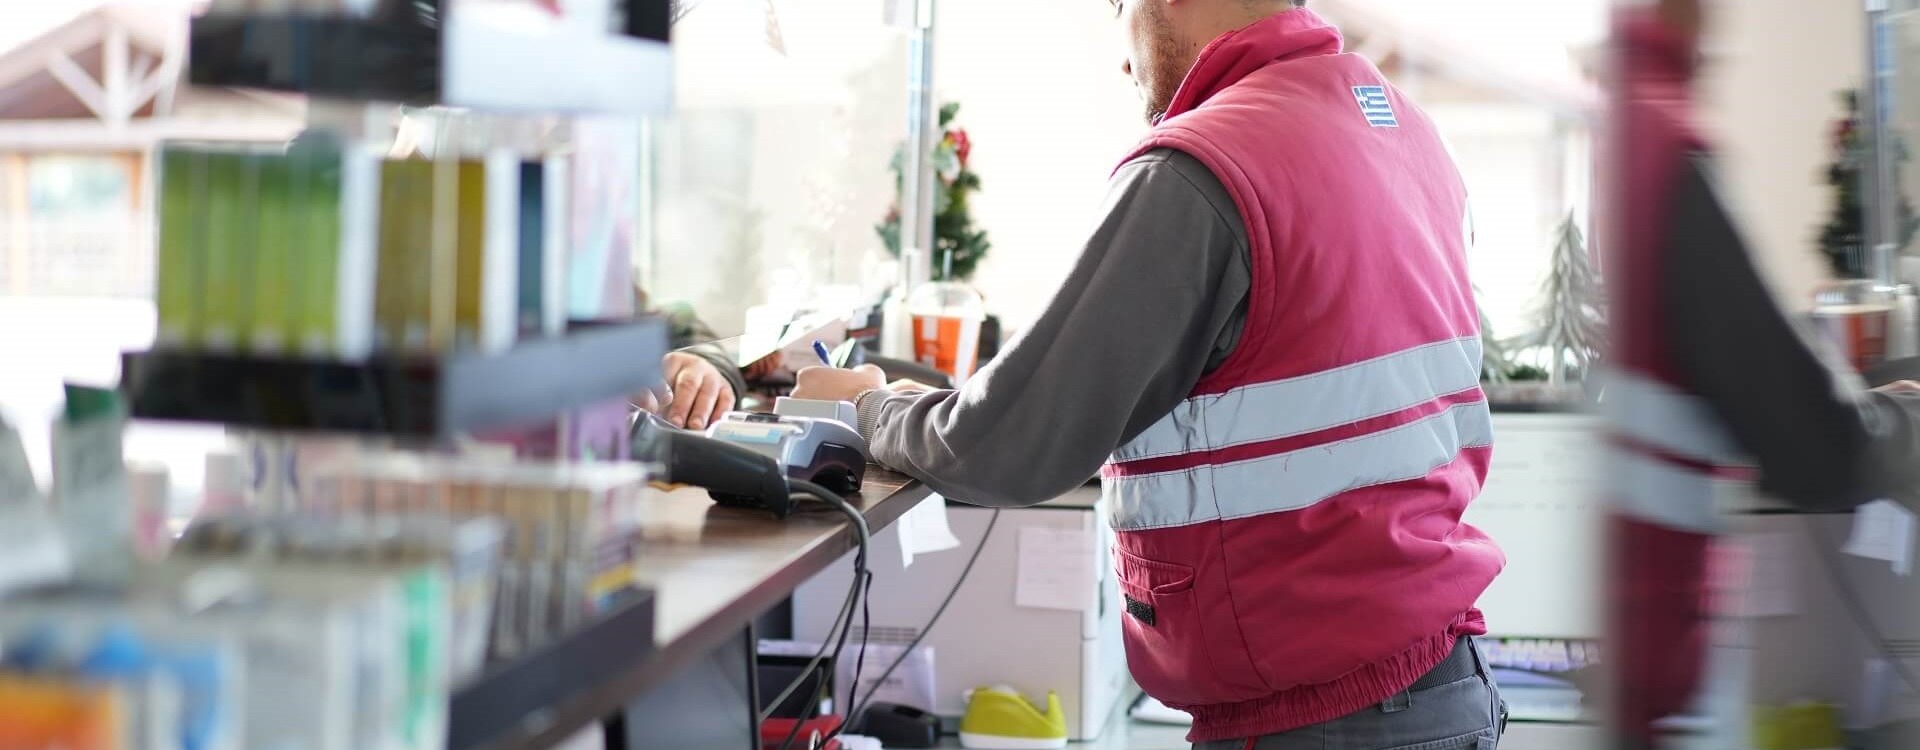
(1161, 84)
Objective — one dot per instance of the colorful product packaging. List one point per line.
(180, 268)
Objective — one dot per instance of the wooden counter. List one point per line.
(711, 571)
(714, 569)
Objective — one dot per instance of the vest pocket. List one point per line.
(1167, 645)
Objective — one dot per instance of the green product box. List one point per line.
(180, 269)
(227, 271)
(274, 252)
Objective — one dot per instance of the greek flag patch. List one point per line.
(1375, 106)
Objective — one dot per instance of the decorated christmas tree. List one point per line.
(958, 247)
(1572, 316)
(1843, 240)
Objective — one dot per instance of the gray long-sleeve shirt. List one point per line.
(1156, 300)
(1821, 439)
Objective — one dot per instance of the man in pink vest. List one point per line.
(1711, 379)
(1269, 353)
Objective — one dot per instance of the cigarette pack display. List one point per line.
(395, 615)
(180, 690)
(464, 553)
(180, 272)
(564, 526)
(470, 244)
(443, 240)
(532, 250)
(255, 674)
(33, 553)
(487, 253)
(271, 326)
(343, 239)
(500, 283)
(224, 312)
(91, 493)
(556, 187)
(403, 300)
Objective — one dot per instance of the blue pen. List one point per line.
(821, 350)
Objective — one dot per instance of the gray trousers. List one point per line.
(1465, 714)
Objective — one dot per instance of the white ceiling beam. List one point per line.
(141, 68)
(28, 58)
(173, 58)
(149, 77)
(77, 81)
(93, 135)
(113, 73)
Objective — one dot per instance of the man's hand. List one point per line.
(836, 384)
(694, 395)
(1900, 386)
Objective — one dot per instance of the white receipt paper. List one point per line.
(925, 530)
(1055, 569)
(1882, 530)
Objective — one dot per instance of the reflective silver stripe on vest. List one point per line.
(1661, 416)
(1665, 419)
(1310, 403)
(1297, 479)
(1662, 493)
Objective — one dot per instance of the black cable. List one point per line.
(860, 659)
(862, 579)
(861, 706)
(1829, 562)
(842, 620)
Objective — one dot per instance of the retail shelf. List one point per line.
(417, 396)
(469, 59)
(514, 702)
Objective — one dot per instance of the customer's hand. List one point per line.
(837, 384)
(695, 395)
(1900, 386)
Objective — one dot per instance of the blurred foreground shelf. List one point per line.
(426, 56)
(402, 396)
(558, 688)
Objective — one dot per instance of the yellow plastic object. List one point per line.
(1000, 718)
(1806, 726)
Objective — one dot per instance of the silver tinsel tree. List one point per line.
(1495, 364)
(1572, 317)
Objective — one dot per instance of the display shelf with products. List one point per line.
(501, 56)
(415, 396)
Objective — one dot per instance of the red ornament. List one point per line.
(961, 144)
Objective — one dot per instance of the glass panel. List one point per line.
(1904, 37)
(768, 181)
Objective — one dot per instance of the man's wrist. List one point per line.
(867, 407)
